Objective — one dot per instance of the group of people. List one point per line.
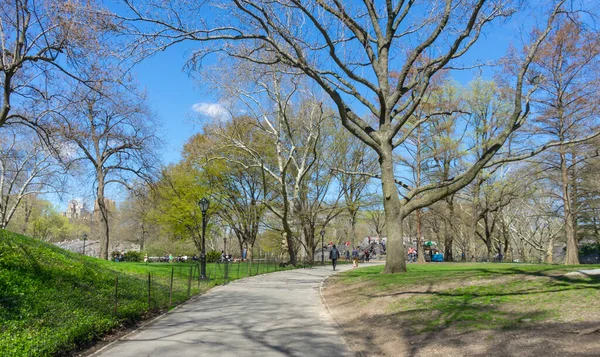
(170, 258)
(334, 255)
(225, 257)
(430, 254)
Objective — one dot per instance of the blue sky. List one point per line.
(172, 94)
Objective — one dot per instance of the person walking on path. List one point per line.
(355, 258)
(334, 255)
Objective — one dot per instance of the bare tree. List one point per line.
(495, 192)
(135, 218)
(376, 220)
(113, 136)
(27, 168)
(287, 121)
(567, 101)
(350, 51)
(533, 223)
(41, 43)
(355, 164)
(319, 201)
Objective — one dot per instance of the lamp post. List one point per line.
(203, 203)
(225, 245)
(322, 245)
(84, 238)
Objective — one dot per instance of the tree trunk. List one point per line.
(311, 243)
(28, 210)
(490, 250)
(144, 233)
(549, 252)
(353, 227)
(524, 255)
(489, 242)
(103, 210)
(472, 238)
(420, 251)
(290, 243)
(448, 230)
(396, 255)
(470, 254)
(572, 254)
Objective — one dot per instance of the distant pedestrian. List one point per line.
(170, 258)
(355, 257)
(347, 254)
(146, 258)
(334, 255)
(244, 253)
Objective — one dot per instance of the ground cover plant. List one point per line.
(53, 301)
(467, 308)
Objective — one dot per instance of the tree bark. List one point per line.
(353, 227)
(470, 254)
(396, 255)
(420, 251)
(448, 238)
(103, 210)
(572, 254)
(28, 208)
(488, 239)
(549, 252)
(290, 242)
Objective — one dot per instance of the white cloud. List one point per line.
(211, 110)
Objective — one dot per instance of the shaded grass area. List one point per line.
(471, 297)
(53, 301)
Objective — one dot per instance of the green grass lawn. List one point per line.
(53, 301)
(475, 296)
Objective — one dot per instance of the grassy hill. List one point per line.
(52, 300)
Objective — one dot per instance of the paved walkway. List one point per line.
(278, 314)
(590, 272)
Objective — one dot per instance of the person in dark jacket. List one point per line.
(334, 255)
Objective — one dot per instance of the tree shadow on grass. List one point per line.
(521, 335)
(473, 320)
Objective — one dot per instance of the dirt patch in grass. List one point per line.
(528, 314)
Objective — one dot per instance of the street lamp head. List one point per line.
(322, 233)
(84, 236)
(204, 203)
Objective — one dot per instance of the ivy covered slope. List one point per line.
(49, 298)
(52, 300)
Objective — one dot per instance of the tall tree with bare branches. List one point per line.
(110, 131)
(567, 68)
(27, 169)
(351, 50)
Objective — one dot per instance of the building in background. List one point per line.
(76, 210)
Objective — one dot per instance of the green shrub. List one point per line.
(133, 256)
(213, 256)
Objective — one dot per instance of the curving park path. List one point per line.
(277, 314)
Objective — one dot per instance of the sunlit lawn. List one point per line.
(476, 296)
